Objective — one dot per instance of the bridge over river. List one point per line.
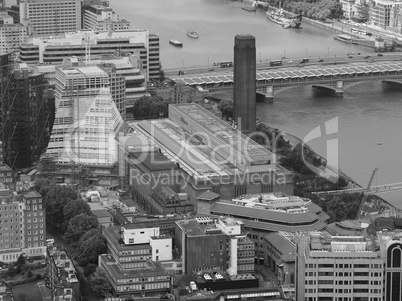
(335, 78)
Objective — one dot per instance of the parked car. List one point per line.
(320, 61)
(350, 57)
(380, 54)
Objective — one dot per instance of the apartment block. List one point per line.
(22, 225)
(50, 17)
(11, 36)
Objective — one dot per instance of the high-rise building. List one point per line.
(27, 114)
(86, 123)
(99, 17)
(153, 57)
(50, 17)
(244, 75)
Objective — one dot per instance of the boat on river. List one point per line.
(284, 18)
(192, 34)
(176, 43)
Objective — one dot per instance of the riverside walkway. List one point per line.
(334, 77)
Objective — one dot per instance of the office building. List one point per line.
(133, 265)
(24, 93)
(342, 267)
(86, 123)
(209, 155)
(60, 275)
(244, 75)
(50, 17)
(23, 223)
(88, 43)
(209, 243)
(100, 18)
(11, 34)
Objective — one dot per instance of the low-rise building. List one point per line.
(214, 243)
(61, 276)
(133, 265)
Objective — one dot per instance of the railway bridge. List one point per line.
(270, 81)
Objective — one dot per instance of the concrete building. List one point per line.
(244, 74)
(342, 268)
(101, 18)
(25, 94)
(380, 12)
(34, 223)
(11, 35)
(60, 275)
(85, 126)
(133, 265)
(23, 223)
(210, 155)
(214, 243)
(5, 292)
(50, 17)
(88, 43)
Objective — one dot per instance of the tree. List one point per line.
(29, 273)
(54, 201)
(161, 73)
(89, 269)
(99, 282)
(43, 185)
(226, 107)
(90, 246)
(74, 208)
(78, 225)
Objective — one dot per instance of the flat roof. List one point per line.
(99, 213)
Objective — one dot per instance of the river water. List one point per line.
(367, 114)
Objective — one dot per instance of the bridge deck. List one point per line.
(275, 76)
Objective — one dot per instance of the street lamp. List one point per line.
(182, 64)
(284, 54)
(260, 57)
(306, 52)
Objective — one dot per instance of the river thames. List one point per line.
(367, 114)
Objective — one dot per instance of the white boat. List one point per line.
(176, 43)
(192, 34)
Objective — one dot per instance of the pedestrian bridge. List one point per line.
(335, 78)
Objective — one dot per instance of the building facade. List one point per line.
(50, 17)
(23, 223)
(11, 37)
(24, 93)
(60, 276)
(100, 18)
(82, 142)
(133, 265)
(209, 243)
(88, 43)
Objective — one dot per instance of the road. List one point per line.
(296, 62)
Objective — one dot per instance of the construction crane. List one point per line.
(365, 192)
